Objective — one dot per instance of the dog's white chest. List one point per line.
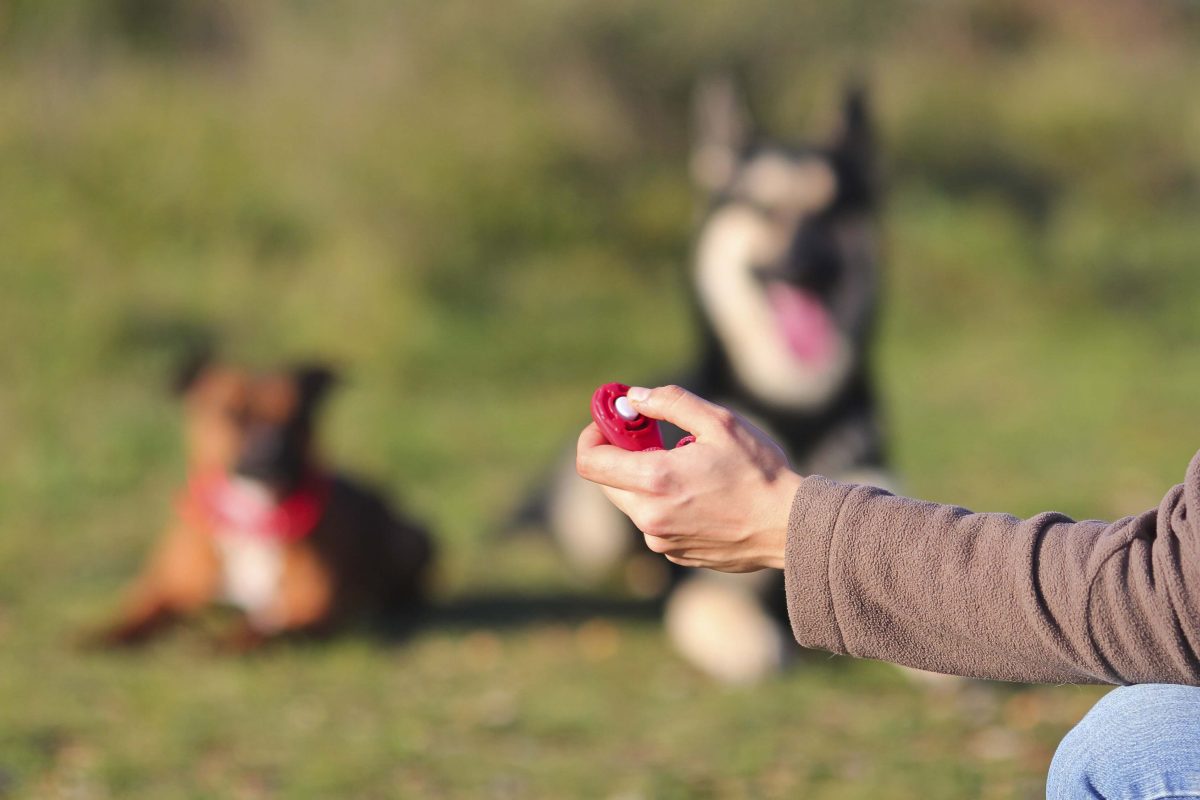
(251, 568)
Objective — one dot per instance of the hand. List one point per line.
(722, 502)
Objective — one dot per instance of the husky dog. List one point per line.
(785, 271)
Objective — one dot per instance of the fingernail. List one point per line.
(638, 394)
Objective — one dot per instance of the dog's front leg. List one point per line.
(307, 600)
(180, 578)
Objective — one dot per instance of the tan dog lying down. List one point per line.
(263, 526)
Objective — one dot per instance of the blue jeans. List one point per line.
(1138, 743)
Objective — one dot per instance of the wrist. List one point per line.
(783, 492)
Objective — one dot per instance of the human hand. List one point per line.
(722, 502)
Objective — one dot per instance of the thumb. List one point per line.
(681, 408)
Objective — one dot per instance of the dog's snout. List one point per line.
(268, 455)
(261, 449)
(813, 260)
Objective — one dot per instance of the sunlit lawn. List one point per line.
(480, 219)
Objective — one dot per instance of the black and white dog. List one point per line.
(786, 277)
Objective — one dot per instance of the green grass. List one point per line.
(463, 204)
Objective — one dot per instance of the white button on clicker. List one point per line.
(625, 409)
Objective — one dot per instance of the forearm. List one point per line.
(1045, 599)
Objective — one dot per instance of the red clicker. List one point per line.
(621, 424)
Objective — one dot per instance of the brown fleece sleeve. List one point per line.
(1044, 599)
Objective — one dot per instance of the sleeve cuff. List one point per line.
(812, 526)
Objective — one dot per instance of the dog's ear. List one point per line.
(854, 144)
(190, 368)
(314, 382)
(721, 131)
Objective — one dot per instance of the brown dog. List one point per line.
(262, 526)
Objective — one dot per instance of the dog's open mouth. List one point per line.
(803, 321)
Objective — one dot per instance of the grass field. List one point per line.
(462, 204)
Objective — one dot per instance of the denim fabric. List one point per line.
(1139, 742)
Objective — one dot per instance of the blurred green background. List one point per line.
(482, 211)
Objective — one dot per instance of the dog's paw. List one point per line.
(239, 640)
(109, 637)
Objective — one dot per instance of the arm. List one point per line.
(932, 586)
(1044, 599)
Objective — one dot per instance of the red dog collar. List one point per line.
(217, 501)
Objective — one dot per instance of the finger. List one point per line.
(600, 462)
(591, 436)
(657, 544)
(683, 561)
(681, 408)
(625, 501)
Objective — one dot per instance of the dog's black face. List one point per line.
(785, 265)
(255, 426)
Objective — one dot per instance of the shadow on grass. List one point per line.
(514, 610)
(497, 611)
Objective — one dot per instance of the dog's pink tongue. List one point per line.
(805, 324)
